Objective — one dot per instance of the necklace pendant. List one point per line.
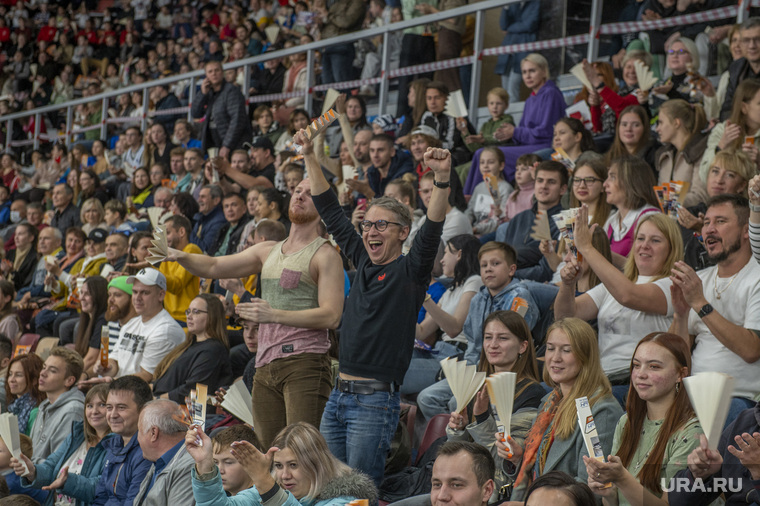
(718, 295)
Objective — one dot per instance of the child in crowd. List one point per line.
(293, 174)
(234, 476)
(522, 198)
(264, 124)
(488, 198)
(497, 101)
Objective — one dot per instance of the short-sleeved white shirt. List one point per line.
(621, 328)
(739, 304)
(450, 300)
(145, 344)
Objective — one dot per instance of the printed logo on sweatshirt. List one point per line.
(381, 277)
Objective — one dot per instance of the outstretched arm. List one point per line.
(245, 263)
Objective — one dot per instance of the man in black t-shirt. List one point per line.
(380, 316)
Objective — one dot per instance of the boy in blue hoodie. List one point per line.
(500, 292)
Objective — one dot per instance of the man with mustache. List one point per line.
(718, 308)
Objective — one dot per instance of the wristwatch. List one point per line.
(706, 310)
(443, 186)
(754, 208)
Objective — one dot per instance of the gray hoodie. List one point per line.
(49, 430)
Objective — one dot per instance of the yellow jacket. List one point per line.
(181, 286)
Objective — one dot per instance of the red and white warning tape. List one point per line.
(539, 44)
(169, 112)
(686, 19)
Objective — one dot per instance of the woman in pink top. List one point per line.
(629, 187)
(522, 197)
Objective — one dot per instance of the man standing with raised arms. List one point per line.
(302, 297)
(381, 311)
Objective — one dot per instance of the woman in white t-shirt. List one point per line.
(459, 262)
(627, 305)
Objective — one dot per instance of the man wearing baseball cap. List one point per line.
(262, 169)
(148, 337)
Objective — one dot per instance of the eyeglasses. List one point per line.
(588, 180)
(194, 312)
(747, 40)
(380, 225)
(680, 51)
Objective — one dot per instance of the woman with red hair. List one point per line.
(657, 433)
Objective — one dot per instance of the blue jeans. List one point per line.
(359, 429)
(338, 64)
(424, 367)
(738, 404)
(436, 399)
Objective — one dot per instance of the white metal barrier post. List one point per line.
(593, 35)
(477, 67)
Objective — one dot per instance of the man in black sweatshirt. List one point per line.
(380, 317)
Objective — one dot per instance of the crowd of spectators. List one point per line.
(328, 275)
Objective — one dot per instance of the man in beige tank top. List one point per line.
(302, 297)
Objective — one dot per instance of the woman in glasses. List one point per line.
(202, 358)
(684, 82)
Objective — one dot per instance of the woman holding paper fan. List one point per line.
(602, 115)
(507, 347)
(633, 137)
(628, 94)
(655, 437)
(555, 442)
(571, 137)
(73, 470)
(680, 127)
(738, 132)
(625, 304)
(202, 358)
(460, 263)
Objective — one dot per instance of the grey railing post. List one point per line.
(69, 125)
(37, 118)
(477, 68)
(382, 99)
(190, 98)
(146, 104)
(593, 37)
(103, 118)
(308, 98)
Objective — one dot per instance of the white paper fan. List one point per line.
(10, 434)
(501, 390)
(455, 106)
(160, 249)
(580, 75)
(644, 76)
(237, 401)
(464, 380)
(710, 395)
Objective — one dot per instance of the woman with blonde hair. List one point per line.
(202, 358)
(543, 108)
(298, 466)
(680, 126)
(740, 131)
(657, 433)
(626, 304)
(555, 441)
(731, 172)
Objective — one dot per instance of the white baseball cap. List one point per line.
(149, 277)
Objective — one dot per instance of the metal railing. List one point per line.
(478, 9)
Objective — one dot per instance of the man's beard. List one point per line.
(723, 255)
(116, 314)
(301, 217)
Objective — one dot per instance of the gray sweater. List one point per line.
(173, 486)
(47, 434)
